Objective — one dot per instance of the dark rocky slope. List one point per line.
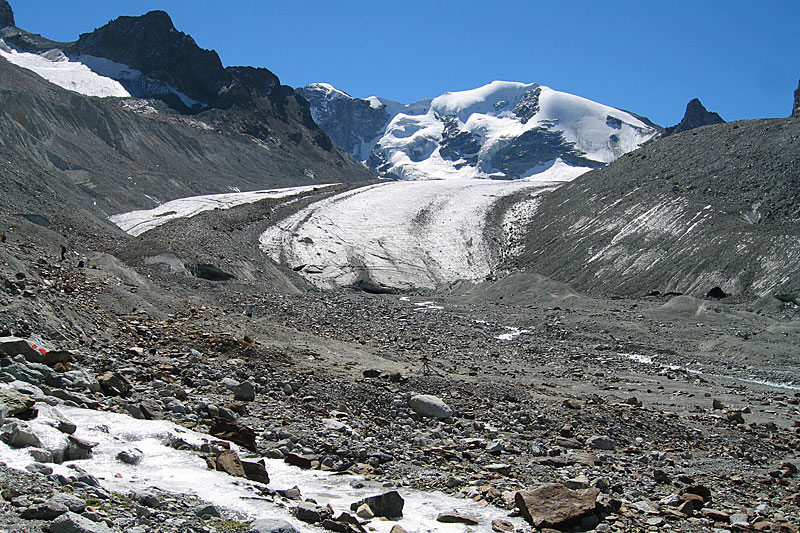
(715, 206)
(111, 155)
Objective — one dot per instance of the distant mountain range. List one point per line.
(503, 130)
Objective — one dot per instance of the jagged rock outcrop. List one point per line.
(6, 14)
(696, 116)
(796, 108)
(152, 45)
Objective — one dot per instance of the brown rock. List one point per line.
(694, 500)
(234, 432)
(715, 515)
(397, 529)
(555, 505)
(229, 462)
(296, 459)
(502, 526)
(256, 471)
(457, 518)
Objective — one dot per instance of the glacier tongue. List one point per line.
(400, 234)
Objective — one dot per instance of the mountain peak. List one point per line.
(150, 44)
(6, 14)
(696, 116)
(796, 108)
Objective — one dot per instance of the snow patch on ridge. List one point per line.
(58, 69)
(91, 76)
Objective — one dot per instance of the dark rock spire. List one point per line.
(696, 115)
(6, 14)
(796, 108)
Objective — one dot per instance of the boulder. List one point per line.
(16, 403)
(430, 406)
(12, 346)
(234, 432)
(457, 518)
(53, 417)
(311, 513)
(79, 448)
(389, 505)
(114, 384)
(131, 456)
(73, 503)
(271, 526)
(83, 380)
(44, 511)
(256, 471)
(555, 506)
(301, 461)
(19, 435)
(345, 523)
(229, 462)
(244, 391)
(600, 442)
(74, 523)
(205, 511)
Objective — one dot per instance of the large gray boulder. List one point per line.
(75, 523)
(14, 345)
(428, 405)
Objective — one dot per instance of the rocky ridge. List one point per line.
(796, 107)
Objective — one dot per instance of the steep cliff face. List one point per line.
(696, 116)
(796, 108)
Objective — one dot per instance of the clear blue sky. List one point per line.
(741, 58)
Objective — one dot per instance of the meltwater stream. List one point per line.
(184, 472)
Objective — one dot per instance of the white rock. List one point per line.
(428, 405)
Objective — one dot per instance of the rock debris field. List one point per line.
(511, 404)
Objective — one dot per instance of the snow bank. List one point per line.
(137, 222)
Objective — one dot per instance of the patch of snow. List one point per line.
(184, 472)
(58, 69)
(137, 222)
(513, 334)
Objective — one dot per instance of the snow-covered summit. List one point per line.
(503, 130)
